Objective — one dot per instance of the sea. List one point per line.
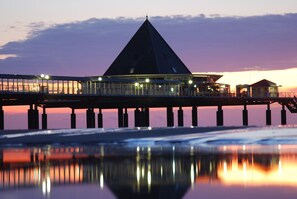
(256, 162)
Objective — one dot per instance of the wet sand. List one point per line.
(110, 136)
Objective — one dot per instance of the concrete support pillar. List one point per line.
(180, 117)
(220, 116)
(100, 119)
(36, 117)
(90, 118)
(245, 121)
(30, 117)
(268, 115)
(44, 119)
(170, 117)
(1, 118)
(73, 119)
(283, 115)
(194, 116)
(126, 118)
(137, 116)
(33, 122)
(147, 117)
(120, 118)
(142, 118)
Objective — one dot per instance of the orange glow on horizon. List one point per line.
(285, 78)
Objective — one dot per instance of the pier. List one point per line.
(146, 74)
(39, 102)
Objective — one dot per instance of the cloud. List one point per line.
(203, 43)
(6, 56)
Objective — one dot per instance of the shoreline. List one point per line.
(90, 136)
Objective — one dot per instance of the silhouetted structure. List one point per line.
(264, 88)
(146, 74)
(147, 53)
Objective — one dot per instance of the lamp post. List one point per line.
(44, 77)
(147, 80)
(190, 82)
(136, 84)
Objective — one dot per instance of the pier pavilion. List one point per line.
(146, 74)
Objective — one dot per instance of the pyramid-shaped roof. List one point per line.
(263, 83)
(147, 53)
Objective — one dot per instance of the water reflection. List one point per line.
(145, 171)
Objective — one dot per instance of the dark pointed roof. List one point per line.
(263, 83)
(147, 53)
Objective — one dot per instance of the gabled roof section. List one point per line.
(264, 83)
(147, 53)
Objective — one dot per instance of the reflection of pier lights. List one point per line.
(143, 170)
(117, 173)
(173, 162)
(138, 168)
(149, 177)
(101, 180)
(192, 175)
(122, 174)
(193, 168)
(46, 186)
(43, 174)
(149, 173)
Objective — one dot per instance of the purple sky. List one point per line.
(204, 44)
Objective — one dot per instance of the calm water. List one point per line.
(106, 171)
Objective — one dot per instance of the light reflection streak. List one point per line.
(46, 186)
(244, 172)
(225, 167)
(142, 172)
(101, 180)
(149, 178)
(173, 167)
(280, 168)
(192, 175)
(138, 174)
(243, 147)
(191, 151)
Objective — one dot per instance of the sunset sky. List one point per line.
(246, 41)
(17, 16)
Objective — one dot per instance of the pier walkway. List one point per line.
(90, 93)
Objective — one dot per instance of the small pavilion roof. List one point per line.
(264, 83)
(147, 53)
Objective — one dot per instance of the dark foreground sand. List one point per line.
(104, 137)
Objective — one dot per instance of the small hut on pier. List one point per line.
(264, 88)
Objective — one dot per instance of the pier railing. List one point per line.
(287, 94)
(74, 86)
(52, 86)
